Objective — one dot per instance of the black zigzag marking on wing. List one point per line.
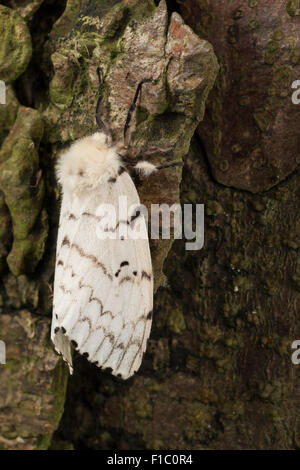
(83, 254)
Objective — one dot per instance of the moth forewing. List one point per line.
(103, 289)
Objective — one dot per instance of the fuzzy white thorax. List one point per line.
(145, 168)
(86, 162)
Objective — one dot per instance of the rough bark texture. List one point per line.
(217, 373)
(33, 383)
(251, 126)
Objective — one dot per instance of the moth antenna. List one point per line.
(102, 127)
(133, 104)
(99, 101)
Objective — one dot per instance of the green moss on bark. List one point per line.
(15, 47)
(23, 188)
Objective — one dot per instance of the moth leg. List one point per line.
(169, 165)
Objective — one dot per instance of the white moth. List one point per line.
(103, 288)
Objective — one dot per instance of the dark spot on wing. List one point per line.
(112, 180)
(85, 354)
(60, 262)
(80, 172)
(65, 241)
(133, 217)
(56, 329)
(121, 170)
(118, 272)
(134, 273)
(74, 344)
(63, 330)
(150, 315)
(146, 276)
(124, 263)
(111, 338)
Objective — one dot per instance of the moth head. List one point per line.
(86, 162)
(101, 139)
